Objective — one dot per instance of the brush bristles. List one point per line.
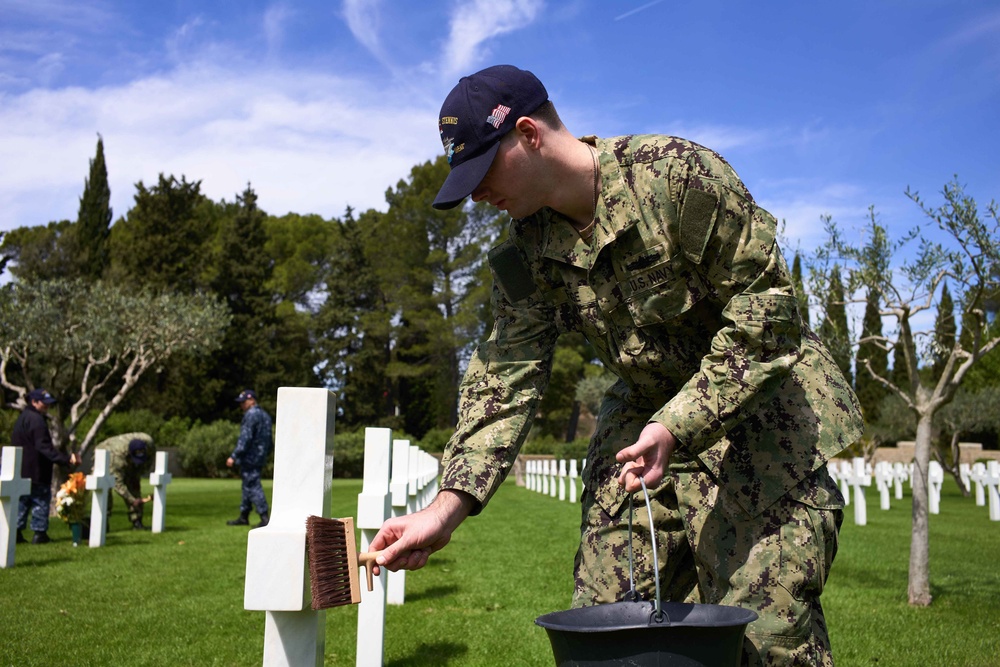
(333, 562)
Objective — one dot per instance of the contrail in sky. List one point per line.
(638, 9)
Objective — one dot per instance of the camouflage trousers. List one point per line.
(253, 493)
(134, 513)
(710, 550)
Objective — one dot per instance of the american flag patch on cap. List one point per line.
(497, 116)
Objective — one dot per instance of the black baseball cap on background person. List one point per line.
(41, 395)
(245, 394)
(137, 451)
(477, 113)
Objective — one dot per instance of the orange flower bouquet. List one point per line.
(71, 499)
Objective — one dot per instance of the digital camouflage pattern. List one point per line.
(686, 297)
(252, 449)
(128, 476)
(256, 439)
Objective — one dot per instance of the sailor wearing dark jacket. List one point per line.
(31, 434)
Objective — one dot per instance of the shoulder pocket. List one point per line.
(511, 272)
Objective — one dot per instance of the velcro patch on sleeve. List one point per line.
(511, 271)
(697, 221)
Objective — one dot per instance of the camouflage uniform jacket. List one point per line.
(255, 441)
(126, 473)
(686, 297)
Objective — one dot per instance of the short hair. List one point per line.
(547, 114)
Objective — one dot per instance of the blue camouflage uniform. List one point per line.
(252, 449)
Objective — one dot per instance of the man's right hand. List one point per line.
(406, 542)
(230, 462)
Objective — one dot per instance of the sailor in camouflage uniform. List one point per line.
(252, 449)
(726, 404)
(129, 458)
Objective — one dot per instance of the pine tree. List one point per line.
(93, 222)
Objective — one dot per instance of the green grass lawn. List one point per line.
(176, 598)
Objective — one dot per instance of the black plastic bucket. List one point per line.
(648, 634)
(631, 633)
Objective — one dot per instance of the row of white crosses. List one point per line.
(13, 486)
(986, 477)
(552, 477)
(398, 478)
(856, 474)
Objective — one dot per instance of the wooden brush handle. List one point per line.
(367, 559)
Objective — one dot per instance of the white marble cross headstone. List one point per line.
(900, 474)
(398, 484)
(843, 475)
(100, 482)
(160, 478)
(883, 478)
(374, 507)
(562, 479)
(992, 480)
(572, 480)
(858, 479)
(977, 476)
(12, 487)
(545, 477)
(554, 472)
(277, 580)
(935, 478)
(964, 473)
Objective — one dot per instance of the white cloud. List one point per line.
(308, 143)
(362, 18)
(475, 22)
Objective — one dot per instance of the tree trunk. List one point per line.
(919, 590)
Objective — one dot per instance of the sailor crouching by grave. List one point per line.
(726, 405)
(32, 435)
(252, 449)
(130, 457)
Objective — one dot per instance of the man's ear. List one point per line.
(528, 132)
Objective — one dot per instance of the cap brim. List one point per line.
(465, 178)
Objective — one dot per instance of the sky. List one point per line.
(821, 107)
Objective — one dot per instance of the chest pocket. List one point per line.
(657, 289)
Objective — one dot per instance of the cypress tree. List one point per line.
(833, 330)
(945, 330)
(93, 222)
(871, 392)
(800, 290)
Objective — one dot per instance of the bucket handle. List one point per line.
(659, 615)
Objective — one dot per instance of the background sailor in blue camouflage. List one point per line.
(726, 404)
(251, 453)
(130, 456)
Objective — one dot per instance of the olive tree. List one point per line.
(962, 248)
(89, 344)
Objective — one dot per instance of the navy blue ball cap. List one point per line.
(475, 116)
(137, 451)
(245, 394)
(41, 395)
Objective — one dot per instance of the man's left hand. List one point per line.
(647, 458)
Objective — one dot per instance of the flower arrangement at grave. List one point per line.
(71, 498)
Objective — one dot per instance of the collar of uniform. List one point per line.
(563, 242)
(616, 212)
